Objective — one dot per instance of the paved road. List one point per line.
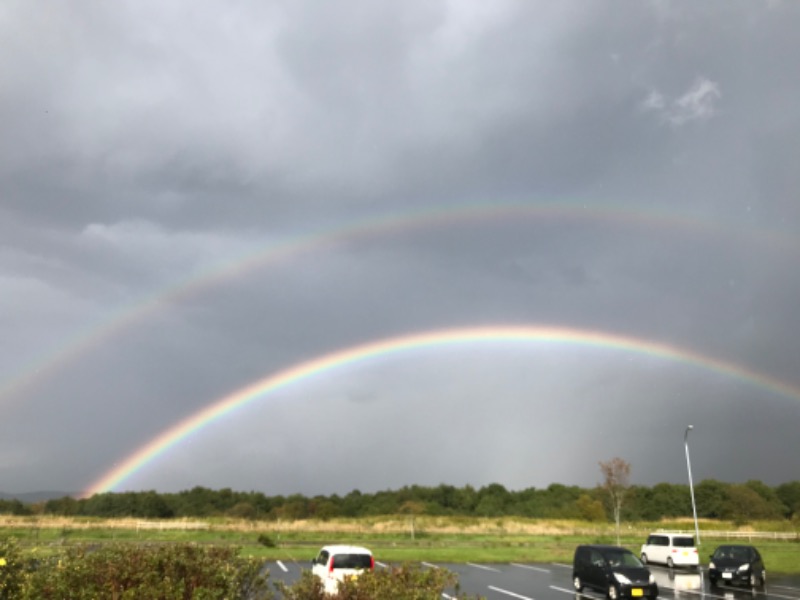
(553, 581)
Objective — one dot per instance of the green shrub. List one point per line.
(266, 541)
(12, 569)
(406, 582)
(120, 572)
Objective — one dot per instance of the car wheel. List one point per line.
(670, 564)
(613, 593)
(577, 584)
(712, 581)
(644, 558)
(763, 581)
(753, 580)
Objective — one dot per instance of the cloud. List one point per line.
(696, 104)
(148, 146)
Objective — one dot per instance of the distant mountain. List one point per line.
(31, 497)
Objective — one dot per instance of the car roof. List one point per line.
(345, 549)
(605, 547)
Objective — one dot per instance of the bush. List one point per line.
(120, 572)
(406, 582)
(12, 569)
(266, 541)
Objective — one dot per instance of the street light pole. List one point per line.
(691, 486)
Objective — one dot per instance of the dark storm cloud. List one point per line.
(146, 146)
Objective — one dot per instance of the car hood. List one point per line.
(634, 573)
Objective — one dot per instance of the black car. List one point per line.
(734, 563)
(616, 572)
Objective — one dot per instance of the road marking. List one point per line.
(785, 587)
(431, 565)
(566, 591)
(484, 567)
(447, 597)
(562, 565)
(281, 565)
(380, 564)
(729, 593)
(507, 593)
(532, 568)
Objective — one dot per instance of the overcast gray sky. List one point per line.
(199, 195)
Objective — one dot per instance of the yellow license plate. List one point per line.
(637, 592)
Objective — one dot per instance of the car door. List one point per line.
(597, 571)
(660, 549)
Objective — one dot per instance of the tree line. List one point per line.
(738, 502)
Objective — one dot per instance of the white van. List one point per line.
(334, 563)
(671, 549)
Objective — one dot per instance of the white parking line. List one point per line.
(786, 587)
(566, 591)
(380, 564)
(530, 567)
(282, 566)
(507, 593)
(561, 565)
(484, 567)
(431, 565)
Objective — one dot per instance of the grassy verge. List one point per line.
(436, 539)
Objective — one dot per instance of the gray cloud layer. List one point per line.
(146, 146)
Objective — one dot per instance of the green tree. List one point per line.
(744, 504)
(590, 509)
(710, 498)
(493, 500)
(789, 494)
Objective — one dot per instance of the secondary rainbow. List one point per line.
(438, 338)
(124, 318)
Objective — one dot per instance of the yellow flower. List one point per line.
(3, 562)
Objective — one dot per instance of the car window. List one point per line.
(622, 559)
(352, 561)
(683, 542)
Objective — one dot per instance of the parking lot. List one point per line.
(553, 581)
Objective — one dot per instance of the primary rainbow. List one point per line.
(124, 318)
(467, 335)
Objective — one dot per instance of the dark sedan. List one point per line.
(737, 564)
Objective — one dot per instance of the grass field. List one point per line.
(442, 539)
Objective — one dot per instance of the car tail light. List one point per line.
(330, 568)
(371, 563)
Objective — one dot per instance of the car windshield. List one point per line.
(352, 561)
(732, 552)
(622, 559)
(683, 542)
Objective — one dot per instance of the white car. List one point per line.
(334, 563)
(671, 549)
